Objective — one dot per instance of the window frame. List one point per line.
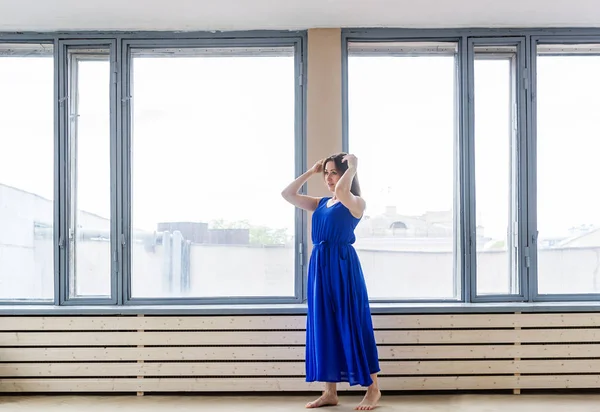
(120, 44)
(300, 164)
(535, 40)
(35, 39)
(67, 103)
(461, 287)
(526, 41)
(519, 99)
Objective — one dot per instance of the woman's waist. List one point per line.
(332, 242)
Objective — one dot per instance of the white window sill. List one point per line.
(296, 309)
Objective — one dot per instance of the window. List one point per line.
(26, 172)
(402, 125)
(213, 133)
(496, 142)
(89, 133)
(568, 205)
(507, 129)
(140, 169)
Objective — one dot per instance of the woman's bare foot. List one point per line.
(327, 399)
(370, 400)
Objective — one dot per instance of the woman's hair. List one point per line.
(341, 167)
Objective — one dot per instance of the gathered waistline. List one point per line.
(328, 242)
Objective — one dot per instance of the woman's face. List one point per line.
(331, 175)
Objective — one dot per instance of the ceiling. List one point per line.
(189, 15)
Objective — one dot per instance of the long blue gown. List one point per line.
(340, 343)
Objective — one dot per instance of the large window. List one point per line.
(146, 169)
(568, 203)
(213, 137)
(402, 112)
(477, 164)
(142, 171)
(27, 172)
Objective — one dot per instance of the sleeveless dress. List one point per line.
(340, 343)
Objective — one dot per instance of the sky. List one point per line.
(213, 138)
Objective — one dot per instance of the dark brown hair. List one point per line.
(341, 167)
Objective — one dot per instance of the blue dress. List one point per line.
(340, 343)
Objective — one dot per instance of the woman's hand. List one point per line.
(351, 160)
(317, 168)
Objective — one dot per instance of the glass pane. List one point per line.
(89, 235)
(26, 172)
(495, 170)
(213, 136)
(402, 128)
(568, 206)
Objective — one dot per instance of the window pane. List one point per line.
(402, 127)
(89, 139)
(213, 140)
(495, 170)
(568, 206)
(26, 171)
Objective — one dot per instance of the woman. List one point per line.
(340, 343)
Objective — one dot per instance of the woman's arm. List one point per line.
(355, 204)
(290, 193)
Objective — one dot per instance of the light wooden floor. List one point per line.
(431, 403)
